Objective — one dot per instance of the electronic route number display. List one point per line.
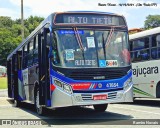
(93, 19)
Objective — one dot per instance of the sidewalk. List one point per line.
(4, 102)
(3, 93)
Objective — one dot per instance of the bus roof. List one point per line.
(109, 13)
(48, 20)
(144, 33)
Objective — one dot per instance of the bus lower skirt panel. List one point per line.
(62, 99)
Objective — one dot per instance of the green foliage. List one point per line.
(8, 43)
(32, 22)
(10, 34)
(152, 21)
(5, 21)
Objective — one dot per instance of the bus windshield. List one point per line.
(92, 48)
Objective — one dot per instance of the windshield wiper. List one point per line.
(109, 37)
(78, 39)
(104, 46)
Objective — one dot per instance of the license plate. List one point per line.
(99, 97)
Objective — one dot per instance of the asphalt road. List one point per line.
(120, 115)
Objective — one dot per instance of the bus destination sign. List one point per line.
(93, 19)
(88, 20)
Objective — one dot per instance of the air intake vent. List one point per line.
(96, 75)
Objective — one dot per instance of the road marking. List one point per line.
(138, 110)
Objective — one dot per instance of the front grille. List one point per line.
(96, 75)
(93, 73)
(111, 95)
(86, 96)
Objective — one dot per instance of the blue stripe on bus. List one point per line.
(48, 103)
(70, 81)
(20, 75)
(20, 98)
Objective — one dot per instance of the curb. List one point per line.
(1, 90)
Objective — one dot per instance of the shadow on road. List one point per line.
(75, 115)
(146, 102)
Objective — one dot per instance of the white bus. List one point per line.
(145, 55)
(3, 71)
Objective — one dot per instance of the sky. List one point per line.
(135, 15)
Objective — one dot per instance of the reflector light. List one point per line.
(52, 87)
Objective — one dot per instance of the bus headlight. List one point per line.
(67, 88)
(127, 84)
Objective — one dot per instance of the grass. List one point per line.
(3, 82)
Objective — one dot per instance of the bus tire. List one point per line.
(39, 108)
(17, 103)
(134, 99)
(100, 107)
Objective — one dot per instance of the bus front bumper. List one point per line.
(61, 99)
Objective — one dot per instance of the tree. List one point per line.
(10, 34)
(8, 43)
(5, 21)
(16, 30)
(32, 22)
(152, 21)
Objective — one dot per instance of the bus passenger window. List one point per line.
(146, 41)
(24, 57)
(158, 44)
(141, 49)
(131, 45)
(35, 51)
(154, 53)
(145, 53)
(137, 46)
(154, 47)
(131, 50)
(158, 40)
(30, 53)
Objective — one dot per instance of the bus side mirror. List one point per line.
(53, 56)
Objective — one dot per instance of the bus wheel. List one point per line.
(100, 107)
(38, 107)
(134, 99)
(17, 103)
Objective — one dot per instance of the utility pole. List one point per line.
(22, 22)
